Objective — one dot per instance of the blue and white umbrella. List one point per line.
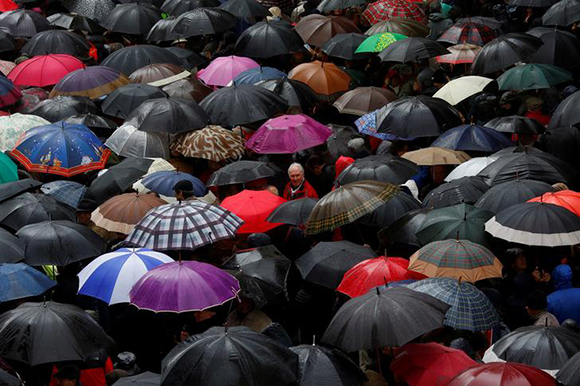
(111, 276)
(67, 192)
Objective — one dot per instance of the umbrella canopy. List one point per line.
(388, 317)
(253, 207)
(188, 89)
(378, 42)
(391, 169)
(185, 225)
(131, 18)
(144, 379)
(508, 194)
(502, 374)
(74, 22)
(459, 54)
(61, 107)
(221, 71)
(23, 23)
(244, 357)
(392, 9)
(45, 70)
(468, 33)
(258, 74)
(7, 43)
(473, 138)
(245, 8)
(183, 286)
(515, 124)
(363, 100)
(14, 188)
(388, 213)
(93, 9)
(412, 50)
(8, 169)
(532, 3)
(131, 58)
(431, 156)
(407, 27)
(568, 374)
(119, 214)
(163, 182)
(12, 248)
(565, 198)
(295, 93)
(92, 121)
(179, 7)
(155, 72)
(462, 190)
(317, 29)
(267, 39)
(403, 231)
(564, 114)
(203, 21)
(458, 90)
(294, 212)
(288, 134)
(533, 77)
(92, 82)
(213, 143)
(456, 259)
(240, 172)
(331, 5)
(470, 168)
(327, 262)
(111, 276)
(562, 13)
(49, 332)
(325, 79)
(504, 51)
(67, 192)
(337, 143)
(165, 115)
(189, 59)
(56, 42)
(128, 141)
(22, 281)
(344, 45)
(8, 379)
(560, 48)
(121, 102)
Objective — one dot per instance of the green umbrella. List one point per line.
(7, 169)
(378, 42)
(459, 221)
(532, 77)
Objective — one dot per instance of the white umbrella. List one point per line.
(11, 126)
(462, 88)
(470, 168)
(127, 141)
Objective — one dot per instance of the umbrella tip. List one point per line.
(378, 291)
(313, 340)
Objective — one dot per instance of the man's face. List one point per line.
(296, 177)
(66, 382)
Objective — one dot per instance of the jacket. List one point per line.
(305, 190)
(564, 303)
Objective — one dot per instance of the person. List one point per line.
(298, 187)
(536, 304)
(183, 190)
(247, 314)
(534, 110)
(68, 376)
(564, 303)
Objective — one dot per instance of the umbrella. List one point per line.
(14, 188)
(253, 207)
(240, 172)
(258, 74)
(348, 203)
(456, 259)
(245, 9)
(470, 309)
(508, 194)
(164, 181)
(132, 18)
(165, 115)
(319, 365)
(407, 27)
(111, 276)
(473, 138)
(515, 124)
(468, 33)
(74, 22)
(56, 42)
(243, 356)
(317, 29)
(459, 54)
(61, 107)
(185, 225)
(240, 105)
(8, 5)
(91, 82)
(458, 90)
(162, 30)
(431, 156)
(203, 21)
(49, 332)
(59, 242)
(179, 7)
(121, 102)
(92, 121)
(429, 363)
(7, 43)
(403, 231)
(563, 13)
(504, 51)
(295, 93)
(92, 9)
(288, 134)
(363, 100)
(8, 169)
(331, 5)
(470, 168)
(568, 374)
(344, 45)
(388, 213)
(267, 39)
(564, 198)
(156, 72)
(67, 192)
(388, 317)
(391, 9)
(223, 70)
(533, 77)
(462, 190)
(378, 42)
(12, 248)
(21, 281)
(560, 48)
(128, 141)
(337, 143)
(61, 148)
(8, 379)
(532, 3)
(324, 78)
(119, 214)
(183, 286)
(189, 59)
(327, 262)
(391, 169)
(213, 143)
(144, 379)
(294, 212)
(536, 223)
(131, 58)
(23, 23)
(502, 374)
(412, 50)
(565, 112)
(418, 116)
(45, 70)
(375, 272)
(188, 89)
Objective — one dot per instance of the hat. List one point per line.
(68, 372)
(184, 186)
(177, 41)
(534, 103)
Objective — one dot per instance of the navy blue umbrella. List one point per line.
(19, 281)
(473, 138)
(258, 74)
(164, 181)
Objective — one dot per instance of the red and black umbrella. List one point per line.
(468, 33)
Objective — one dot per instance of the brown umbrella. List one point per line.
(363, 100)
(407, 27)
(431, 156)
(190, 89)
(318, 29)
(121, 213)
(348, 203)
(155, 72)
(213, 143)
(324, 78)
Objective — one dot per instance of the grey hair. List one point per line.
(296, 165)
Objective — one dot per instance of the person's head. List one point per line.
(517, 259)
(571, 325)
(183, 190)
(315, 164)
(562, 276)
(67, 376)
(559, 186)
(296, 174)
(272, 189)
(438, 173)
(534, 104)
(536, 302)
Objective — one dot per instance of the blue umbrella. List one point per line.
(473, 138)
(68, 192)
(19, 281)
(258, 74)
(164, 181)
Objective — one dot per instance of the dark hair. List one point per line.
(537, 300)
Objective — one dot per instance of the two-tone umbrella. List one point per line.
(156, 72)
(459, 54)
(92, 82)
(407, 27)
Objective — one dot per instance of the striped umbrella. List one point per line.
(92, 82)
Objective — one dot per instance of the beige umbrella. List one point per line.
(431, 156)
(213, 143)
(462, 88)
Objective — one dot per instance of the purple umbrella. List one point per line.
(92, 82)
(183, 286)
(288, 134)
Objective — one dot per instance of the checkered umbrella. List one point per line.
(390, 9)
(470, 309)
(468, 33)
(68, 192)
(185, 225)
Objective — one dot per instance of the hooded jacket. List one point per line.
(564, 303)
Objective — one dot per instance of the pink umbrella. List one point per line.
(288, 134)
(222, 71)
(44, 70)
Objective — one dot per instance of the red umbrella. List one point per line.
(372, 273)
(44, 70)
(565, 198)
(7, 5)
(254, 207)
(392, 9)
(503, 374)
(429, 364)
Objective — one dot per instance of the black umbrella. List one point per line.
(121, 102)
(412, 50)
(418, 116)
(245, 8)
(295, 93)
(74, 22)
(229, 356)
(504, 51)
(321, 365)
(7, 379)
(560, 48)
(566, 112)
(132, 58)
(294, 212)
(462, 190)
(491, 22)
(189, 89)
(563, 13)
(59, 243)
(267, 39)
(331, 5)
(327, 262)
(167, 115)
(403, 231)
(388, 213)
(188, 58)
(516, 124)
(563, 142)
(203, 21)
(14, 188)
(12, 249)
(132, 18)
(507, 194)
(144, 379)
(240, 172)
(388, 317)
(344, 45)
(7, 42)
(178, 7)
(337, 143)
(242, 104)
(29, 208)
(532, 3)
(161, 31)
(382, 168)
(23, 23)
(92, 121)
(49, 332)
(61, 107)
(93, 9)
(569, 374)
(56, 42)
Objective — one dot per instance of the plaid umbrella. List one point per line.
(470, 309)
(68, 192)
(185, 225)
(390, 9)
(407, 27)
(468, 33)
(213, 143)
(460, 54)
